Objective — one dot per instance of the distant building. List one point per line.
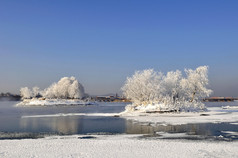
(105, 98)
(219, 99)
(111, 98)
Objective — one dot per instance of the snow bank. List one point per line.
(115, 146)
(212, 115)
(72, 114)
(50, 102)
(152, 108)
(229, 107)
(230, 132)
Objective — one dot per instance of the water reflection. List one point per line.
(148, 128)
(202, 129)
(62, 125)
(11, 121)
(73, 125)
(68, 125)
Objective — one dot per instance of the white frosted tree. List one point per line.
(26, 93)
(143, 87)
(35, 91)
(62, 88)
(169, 92)
(50, 92)
(171, 89)
(196, 82)
(67, 87)
(76, 90)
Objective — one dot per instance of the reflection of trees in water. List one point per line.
(76, 124)
(64, 125)
(133, 127)
(147, 128)
(73, 124)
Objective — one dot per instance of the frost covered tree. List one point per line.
(171, 91)
(50, 91)
(65, 88)
(196, 82)
(76, 90)
(143, 87)
(35, 91)
(26, 93)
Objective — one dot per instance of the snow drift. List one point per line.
(153, 91)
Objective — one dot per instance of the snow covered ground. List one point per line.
(115, 146)
(50, 102)
(213, 115)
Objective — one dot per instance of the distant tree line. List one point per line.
(9, 97)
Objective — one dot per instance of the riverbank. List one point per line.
(115, 146)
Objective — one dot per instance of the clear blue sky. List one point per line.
(102, 42)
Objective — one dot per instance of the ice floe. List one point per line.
(72, 114)
(50, 102)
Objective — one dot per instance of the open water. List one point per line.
(14, 126)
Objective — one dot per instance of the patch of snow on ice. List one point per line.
(235, 123)
(50, 102)
(230, 132)
(213, 115)
(229, 107)
(72, 114)
(171, 135)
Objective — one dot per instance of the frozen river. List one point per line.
(15, 123)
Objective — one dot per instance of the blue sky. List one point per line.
(103, 42)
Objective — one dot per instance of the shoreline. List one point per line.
(114, 146)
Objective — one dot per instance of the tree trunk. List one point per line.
(193, 97)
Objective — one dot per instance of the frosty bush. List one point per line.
(26, 93)
(65, 88)
(172, 91)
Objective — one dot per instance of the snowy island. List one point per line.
(152, 91)
(67, 91)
